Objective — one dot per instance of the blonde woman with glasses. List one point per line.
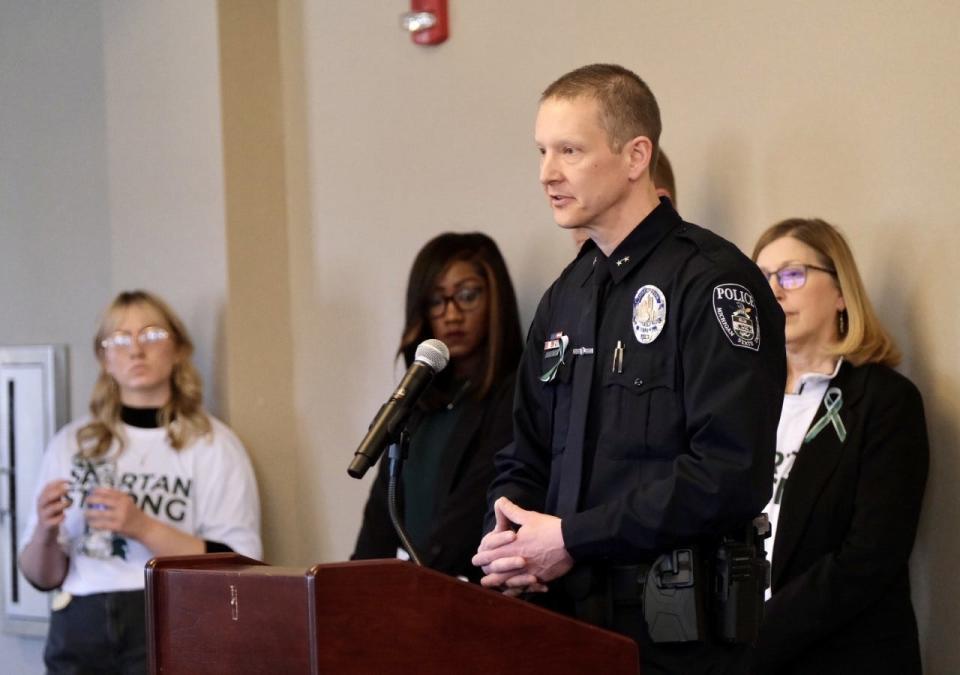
(850, 471)
(147, 473)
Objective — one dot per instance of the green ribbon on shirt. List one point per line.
(552, 370)
(833, 401)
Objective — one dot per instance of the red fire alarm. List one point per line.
(427, 21)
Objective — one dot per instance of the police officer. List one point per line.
(649, 390)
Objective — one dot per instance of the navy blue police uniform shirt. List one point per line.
(648, 395)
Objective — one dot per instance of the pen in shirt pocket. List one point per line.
(617, 366)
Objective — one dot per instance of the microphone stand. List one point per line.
(396, 453)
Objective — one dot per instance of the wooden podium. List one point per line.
(224, 613)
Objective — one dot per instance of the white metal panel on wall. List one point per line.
(33, 406)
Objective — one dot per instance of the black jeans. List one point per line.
(100, 633)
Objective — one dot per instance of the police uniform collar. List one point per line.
(586, 247)
(585, 262)
(642, 240)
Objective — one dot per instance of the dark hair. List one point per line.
(663, 177)
(504, 338)
(627, 106)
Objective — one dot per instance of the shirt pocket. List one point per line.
(642, 414)
(559, 392)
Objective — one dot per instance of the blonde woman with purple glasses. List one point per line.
(850, 471)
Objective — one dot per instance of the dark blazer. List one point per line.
(841, 592)
(484, 427)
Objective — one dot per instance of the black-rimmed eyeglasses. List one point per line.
(466, 299)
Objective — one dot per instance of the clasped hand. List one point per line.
(525, 559)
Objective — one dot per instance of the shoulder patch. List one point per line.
(736, 312)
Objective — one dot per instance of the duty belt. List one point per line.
(601, 593)
(657, 599)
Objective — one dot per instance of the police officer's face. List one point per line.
(811, 310)
(458, 310)
(585, 181)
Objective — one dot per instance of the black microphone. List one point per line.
(431, 357)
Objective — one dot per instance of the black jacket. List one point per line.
(841, 592)
(484, 427)
(674, 441)
(678, 438)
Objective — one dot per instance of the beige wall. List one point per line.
(286, 159)
(260, 349)
(770, 110)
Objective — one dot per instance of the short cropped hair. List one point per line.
(628, 107)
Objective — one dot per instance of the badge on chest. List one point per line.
(649, 313)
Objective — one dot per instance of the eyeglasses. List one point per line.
(466, 299)
(123, 340)
(794, 276)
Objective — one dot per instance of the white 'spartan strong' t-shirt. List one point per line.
(207, 490)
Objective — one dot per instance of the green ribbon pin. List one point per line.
(833, 401)
(552, 371)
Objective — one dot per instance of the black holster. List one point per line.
(684, 595)
(674, 597)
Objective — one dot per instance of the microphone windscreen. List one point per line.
(433, 353)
